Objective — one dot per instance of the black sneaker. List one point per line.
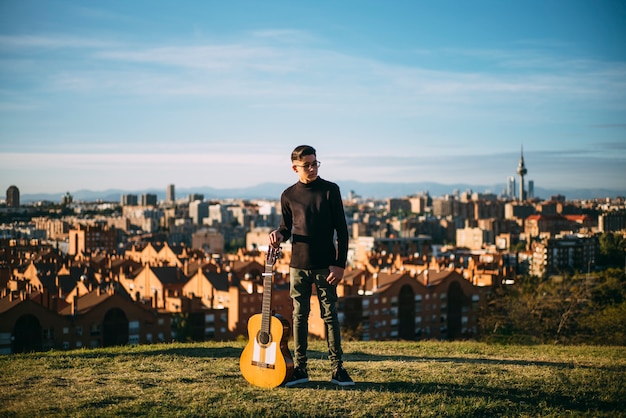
(299, 376)
(341, 377)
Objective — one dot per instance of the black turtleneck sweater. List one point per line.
(311, 214)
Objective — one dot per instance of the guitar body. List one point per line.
(266, 361)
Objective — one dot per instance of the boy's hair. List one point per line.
(302, 150)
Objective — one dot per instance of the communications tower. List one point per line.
(521, 170)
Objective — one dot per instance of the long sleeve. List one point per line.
(312, 216)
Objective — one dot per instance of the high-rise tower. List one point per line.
(521, 170)
(13, 197)
(510, 187)
(170, 195)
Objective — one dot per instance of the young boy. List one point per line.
(312, 216)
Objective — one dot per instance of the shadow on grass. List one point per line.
(360, 356)
(235, 352)
(560, 401)
(147, 350)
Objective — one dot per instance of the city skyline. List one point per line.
(211, 94)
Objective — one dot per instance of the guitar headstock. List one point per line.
(272, 255)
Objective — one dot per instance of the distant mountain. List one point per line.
(384, 190)
(365, 190)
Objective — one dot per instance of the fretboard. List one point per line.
(267, 298)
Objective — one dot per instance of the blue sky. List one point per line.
(141, 94)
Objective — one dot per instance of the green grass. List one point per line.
(403, 379)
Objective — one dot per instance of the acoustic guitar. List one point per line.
(266, 361)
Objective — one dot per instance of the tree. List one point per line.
(570, 310)
(612, 250)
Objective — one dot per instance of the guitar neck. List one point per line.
(267, 297)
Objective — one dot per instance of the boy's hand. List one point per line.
(276, 238)
(335, 275)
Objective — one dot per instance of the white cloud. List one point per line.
(8, 42)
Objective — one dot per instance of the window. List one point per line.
(48, 333)
(133, 327)
(94, 330)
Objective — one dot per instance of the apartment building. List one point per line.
(612, 221)
(40, 320)
(563, 253)
(88, 239)
(434, 304)
(538, 224)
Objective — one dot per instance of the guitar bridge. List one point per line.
(263, 365)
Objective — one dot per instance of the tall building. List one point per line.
(67, 199)
(521, 171)
(13, 197)
(195, 196)
(510, 187)
(198, 210)
(170, 195)
(148, 199)
(531, 189)
(129, 200)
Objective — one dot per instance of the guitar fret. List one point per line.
(268, 275)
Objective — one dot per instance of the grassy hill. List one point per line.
(429, 379)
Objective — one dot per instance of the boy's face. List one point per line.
(306, 168)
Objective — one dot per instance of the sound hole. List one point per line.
(263, 338)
